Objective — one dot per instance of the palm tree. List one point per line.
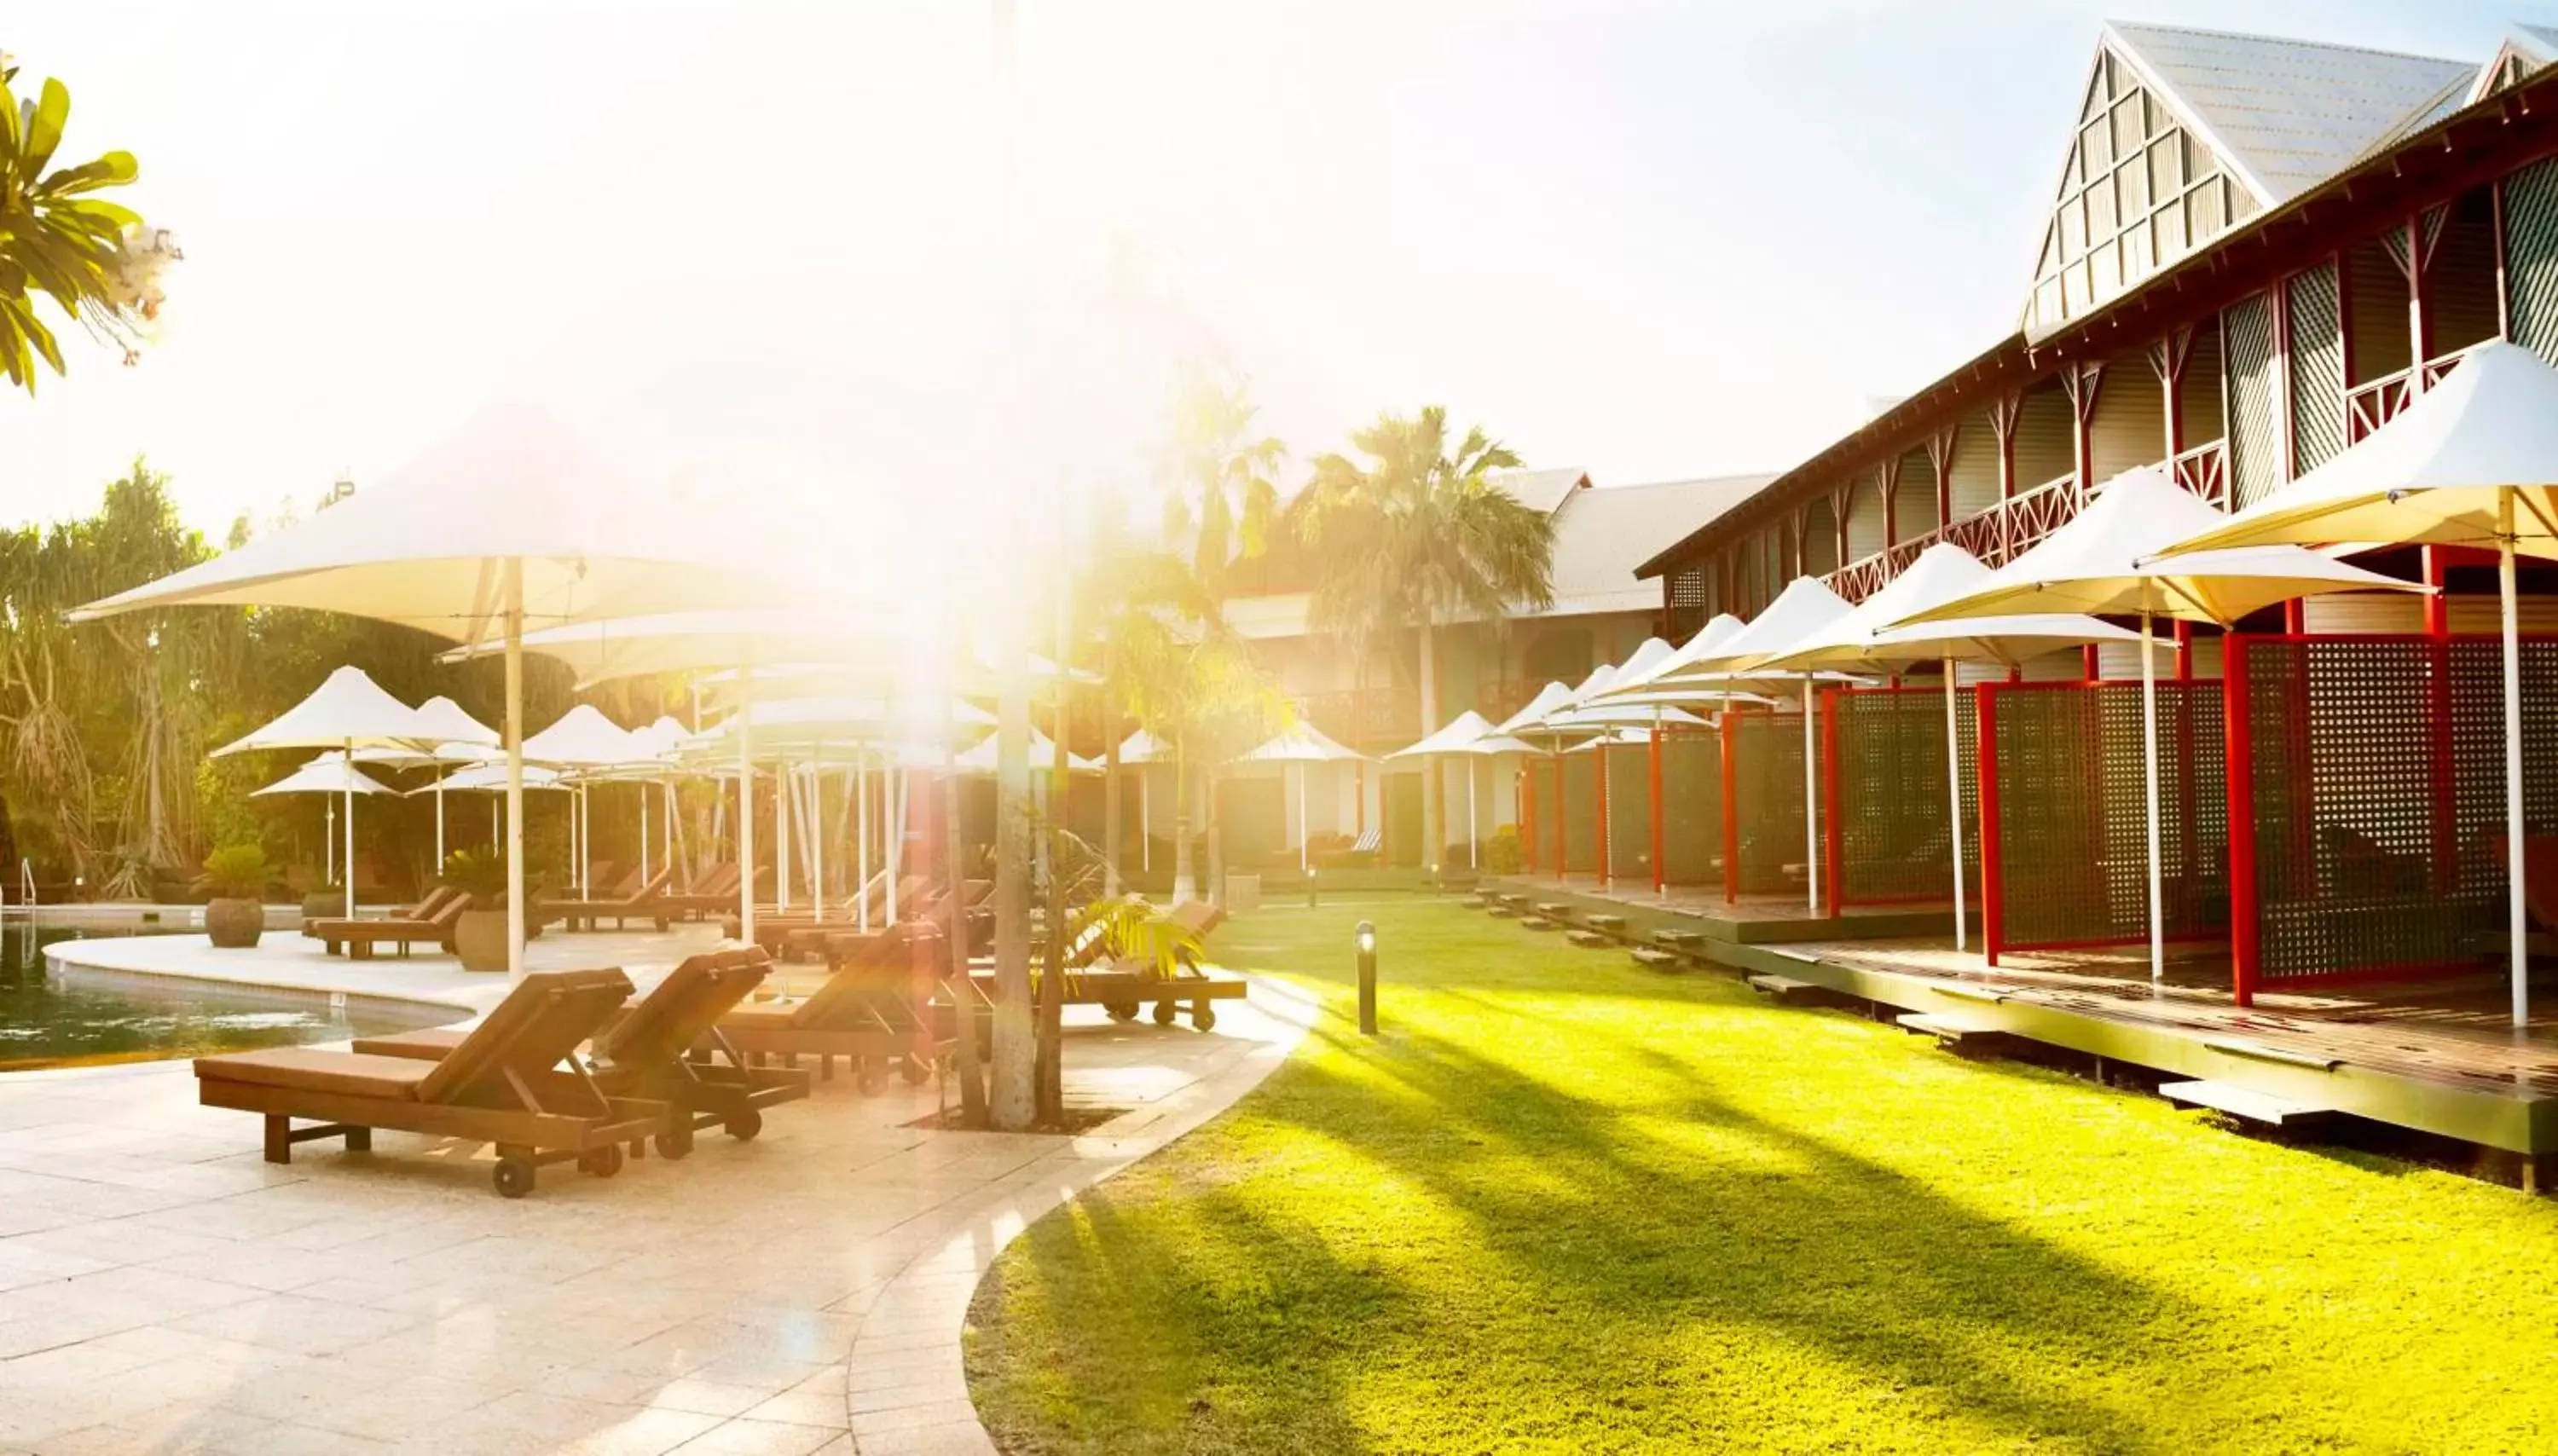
(1223, 498)
(1417, 537)
(91, 256)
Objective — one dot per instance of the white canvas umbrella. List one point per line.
(504, 524)
(330, 775)
(1804, 608)
(1709, 639)
(490, 777)
(1548, 697)
(1453, 738)
(2472, 461)
(450, 725)
(347, 711)
(980, 760)
(1301, 746)
(1141, 749)
(2100, 563)
(1868, 637)
(579, 740)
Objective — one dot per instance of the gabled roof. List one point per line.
(1602, 536)
(2286, 115)
(2526, 49)
(1541, 491)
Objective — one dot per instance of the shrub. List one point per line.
(479, 874)
(1501, 851)
(234, 872)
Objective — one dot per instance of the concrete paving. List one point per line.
(163, 1290)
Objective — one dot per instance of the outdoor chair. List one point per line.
(712, 892)
(638, 902)
(773, 926)
(873, 1007)
(646, 1052)
(358, 937)
(511, 1081)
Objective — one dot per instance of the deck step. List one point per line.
(2246, 1103)
(1554, 909)
(1681, 940)
(1588, 939)
(1609, 923)
(1653, 960)
(1535, 923)
(1961, 1033)
(1516, 901)
(1786, 991)
(1505, 912)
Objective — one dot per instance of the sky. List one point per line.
(767, 248)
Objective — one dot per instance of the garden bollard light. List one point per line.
(1311, 872)
(1368, 978)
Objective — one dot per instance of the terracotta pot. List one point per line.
(233, 924)
(480, 939)
(324, 904)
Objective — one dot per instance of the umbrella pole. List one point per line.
(1301, 821)
(862, 844)
(1144, 829)
(1811, 810)
(644, 834)
(515, 800)
(746, 805)
(350, 829)
(439, 819)
(2149, 801)
(782, 787)
(329, 837)
(2513, 840)
(817, 835)
(1473, 830)
(1954, 799)
(892, 831)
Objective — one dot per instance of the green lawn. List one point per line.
(1566, 1205)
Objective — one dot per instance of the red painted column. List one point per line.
(1658, 822)
(2239, 760)
(2183, 651)
(2296, 617)
(1528, 817)
(1993, 902)
(1562, 815)
(1599, 791)
(2090, 661)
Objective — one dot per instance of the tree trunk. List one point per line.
(1216, 838)
(1012, 1105)
(1434, 839)
(1112, 827)
(1185, 883)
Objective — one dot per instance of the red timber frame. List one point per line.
(1600, 857)
(2190, 918)
(1527, 790)
(1839, 812)
(1659, 824)
(2346, 819)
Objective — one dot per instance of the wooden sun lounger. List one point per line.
(646, 1052)
(872, 1009)
(1121, 985)
(642, 903)
(712, 892)
(358, 937)
(773, 927)
(513, 1081)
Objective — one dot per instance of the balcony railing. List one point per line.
(2006, 530)
(2367, 407)
(1363, 714)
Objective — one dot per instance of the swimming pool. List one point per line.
(84, 1017)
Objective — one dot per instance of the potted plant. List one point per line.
(480, 932)
(327, 902)
(235, 876)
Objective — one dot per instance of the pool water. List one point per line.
(85, 1016)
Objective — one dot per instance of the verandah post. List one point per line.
(1527, 818)
(1654, 784)
(1603, 858)
(1729, 731)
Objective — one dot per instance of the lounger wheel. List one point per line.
(916, 1071)
(1122, 1010)
(867, 1076)
(745, 1126)
(513, 1177)
(1165, 1011)
(1203, 1017)
(674, 1142)
(602, 1161)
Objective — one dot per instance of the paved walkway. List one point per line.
(163, 1290)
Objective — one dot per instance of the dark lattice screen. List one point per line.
(1888, 838)
(1580, 807)
(1767, 800)
(1692, 808)
(1630, 810)
(2376, 780)
(2072, 858)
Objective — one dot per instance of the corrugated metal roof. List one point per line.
(1602, 535)
(2286, 115)
(1541, 491)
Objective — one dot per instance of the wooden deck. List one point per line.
(2435, 1054)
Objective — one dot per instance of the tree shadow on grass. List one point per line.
(1747, 1221)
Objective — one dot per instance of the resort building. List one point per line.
(2258, 251)
(1603, 610)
